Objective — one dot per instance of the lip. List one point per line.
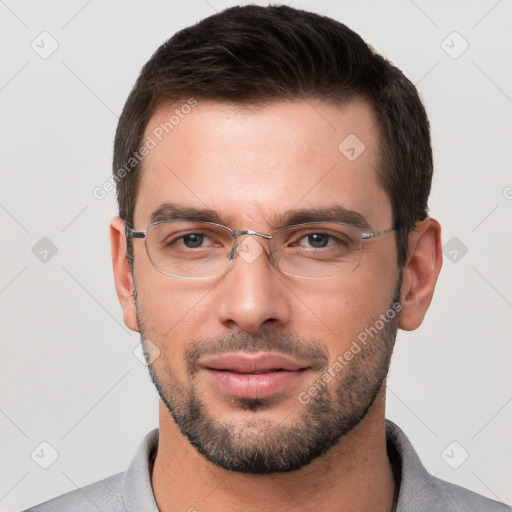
(252, 375)
(248, 362)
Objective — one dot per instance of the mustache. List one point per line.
(312, 350)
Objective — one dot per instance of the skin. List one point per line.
(249, 164)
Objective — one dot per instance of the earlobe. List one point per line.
(122, 274)
(424, 260)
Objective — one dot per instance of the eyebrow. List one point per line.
(334, 213)
(173, 211)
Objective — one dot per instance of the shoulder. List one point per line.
(130, 490)
(102, 495)
(419, 491)
(450, 497)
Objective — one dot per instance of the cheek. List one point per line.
(342, 308)
(171, 310)
(338, 313)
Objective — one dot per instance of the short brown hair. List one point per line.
(254, 55)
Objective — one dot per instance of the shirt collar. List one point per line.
(137, 490)
(413, 479)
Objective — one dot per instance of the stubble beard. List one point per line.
(258, 444)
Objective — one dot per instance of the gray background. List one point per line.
(68, 373)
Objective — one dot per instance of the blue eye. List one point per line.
(193, 240)
(321, 240)
(317, 240)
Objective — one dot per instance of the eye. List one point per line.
(187, 239)
(315, 240)
(193, 240)
(319, 240)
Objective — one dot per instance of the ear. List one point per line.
(424, 260)
(122, 275)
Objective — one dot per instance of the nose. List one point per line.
(252, 294)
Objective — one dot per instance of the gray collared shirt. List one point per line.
(131, 491)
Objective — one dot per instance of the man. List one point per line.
(273, 174)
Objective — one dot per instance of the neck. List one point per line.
(354, 475)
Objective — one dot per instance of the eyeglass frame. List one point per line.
(132, 234)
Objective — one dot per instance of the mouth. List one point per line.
(252, 375)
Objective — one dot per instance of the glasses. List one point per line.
(198, 250)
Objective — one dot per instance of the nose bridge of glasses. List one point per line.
(243, 232)
(237, 246)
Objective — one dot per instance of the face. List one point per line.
(262, 371)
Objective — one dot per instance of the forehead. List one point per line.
(249, 163)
